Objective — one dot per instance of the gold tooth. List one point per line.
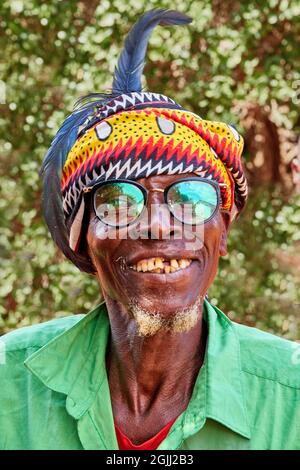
(174, 263)
(167, 269)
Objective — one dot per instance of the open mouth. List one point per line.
(160, 265)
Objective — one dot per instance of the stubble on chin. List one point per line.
(149, 323)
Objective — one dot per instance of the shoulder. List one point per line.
(36, 336)
(268, 356)
(263, 354)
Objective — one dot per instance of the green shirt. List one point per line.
(54, 391)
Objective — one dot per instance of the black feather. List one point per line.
(53, 213)
(95, 99)
(128, 73)
(51, 172)
(127, 78)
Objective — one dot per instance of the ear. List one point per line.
(226, 222)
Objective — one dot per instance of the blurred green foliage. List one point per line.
(258, 281)
(232, 54)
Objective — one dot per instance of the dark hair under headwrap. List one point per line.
(133, 134)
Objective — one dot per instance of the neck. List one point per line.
(154, 372)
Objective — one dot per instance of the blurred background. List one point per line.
(238, 62)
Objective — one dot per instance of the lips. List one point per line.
(160, 265)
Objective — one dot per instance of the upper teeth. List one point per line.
(159, 265)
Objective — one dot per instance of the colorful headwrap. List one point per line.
(133, 134)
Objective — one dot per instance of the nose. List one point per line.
(157, 222)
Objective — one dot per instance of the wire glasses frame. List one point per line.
(91, 191)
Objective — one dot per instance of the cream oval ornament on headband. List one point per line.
(103, 130)
(165, 126)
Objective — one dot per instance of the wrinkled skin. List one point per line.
(148, 388)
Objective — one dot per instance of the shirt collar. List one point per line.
(73, 363)
(225, 400)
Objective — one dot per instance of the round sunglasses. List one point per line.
(120, 203)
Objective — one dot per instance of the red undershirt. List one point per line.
(151, 444)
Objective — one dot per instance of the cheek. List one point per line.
(206, 239)
(103, 250)
(97, 237)
(100, 248)
(213, 233)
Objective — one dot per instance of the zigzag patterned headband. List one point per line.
(134, 143)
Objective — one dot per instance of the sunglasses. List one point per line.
(120, 203)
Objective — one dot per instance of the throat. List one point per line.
(150, 431)
(143, 411)
(151, 377)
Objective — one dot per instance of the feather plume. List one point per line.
(128, 73)
(50, 172)
(127, 78)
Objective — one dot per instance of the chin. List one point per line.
(168, 302)
(154, 317)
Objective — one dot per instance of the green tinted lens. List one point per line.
(192, 202)
(118, 204)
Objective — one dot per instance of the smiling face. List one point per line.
(163, 270)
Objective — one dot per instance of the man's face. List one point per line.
(123, 264)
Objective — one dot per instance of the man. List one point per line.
(141, 193)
